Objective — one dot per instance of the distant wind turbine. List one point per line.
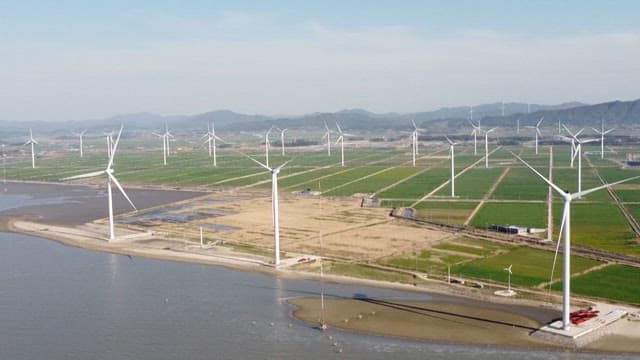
(476, 131)
(165, 143)
(282, 139)
(266, 145)
(341, 141)
(211, 138)
(80, 135)
(414, 142)
(453, 178)
(602, 132)
(33, 143)
(578, 153)
(566, 224)
(327, 135)
(486, 147)
(537, 129)
(110, 179)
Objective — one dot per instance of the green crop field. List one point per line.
(473, 184)
(531, 267)
(520, 214)
(377, 182)
(447, 212)
(521, 184)
(417, 186)
(616, 282)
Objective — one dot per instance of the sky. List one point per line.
(75, 60)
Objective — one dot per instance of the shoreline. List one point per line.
(83, 239)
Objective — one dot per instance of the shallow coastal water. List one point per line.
(58, 302)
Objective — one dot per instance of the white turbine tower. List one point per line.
(414, 142)
(327, 134)
(453, 178)
(165, 143)
(341, 141)
(109, 138)
(566, 222)
(211, 138)
(518, 126)
(282, 139)
(476, 131)
(274, 205)
(578, 153)
(602, 133)
(80, 135)
(110, 179)
(266, 146)
(537, 128)
(508, 270)
(486, 147)
(33, 143)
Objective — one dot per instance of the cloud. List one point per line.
(315, 68)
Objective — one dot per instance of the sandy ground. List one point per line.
(468, 322)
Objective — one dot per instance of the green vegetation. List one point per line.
(367, 272)
(448, 212)
(531, 267)
(616, 282)
(520, 214)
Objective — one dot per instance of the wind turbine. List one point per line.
(475, 132)
(602, 133)
(274, 204)
(80, 135)
(414, 142)
(486, 147)
(282, 139)
(33, 143)
(327, 135)
(266, 145)
(566, 222)
(453, 178)
(537, 128)
(578, 152)
(211, 141)
(508, 270)
(110, 179)
(341, 140)
(573, 143)
(109, 137)
(518, 126)
(165, 143)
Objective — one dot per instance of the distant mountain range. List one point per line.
(615, 113)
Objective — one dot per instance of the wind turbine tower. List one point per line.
(327, 135)
(486, 147)
(282, 139)
(453, 177)
(33, 143)
(602, 133)
(80, 135)
(341, 140)
(538, 133)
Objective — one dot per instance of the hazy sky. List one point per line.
(88, 59)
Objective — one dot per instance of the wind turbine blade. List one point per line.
(554, 186)
(339, 139)
(569, 131)
(283, 165)
(256, 161)
(579, 132)
(589, 191)
(608, 131)
(345, 134)
(34, 141)
(414, 124)
(82, 176)
(555, 256)
(115, 181)
(490, 130)
(586, 141)
(540, 122)
(596, 130)
(326, 126)
(339, 129)
(449, 140)
(115, 146)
